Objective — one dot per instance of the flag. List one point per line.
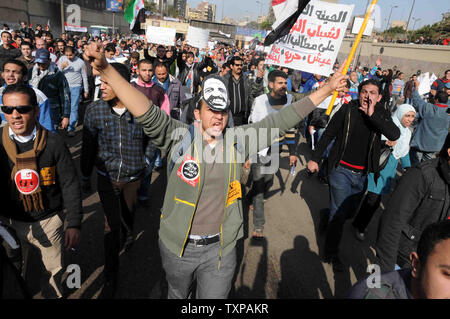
(286, 14)
(134, 15)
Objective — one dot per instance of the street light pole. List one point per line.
(389, 19)
(410, 13)
(62, 16)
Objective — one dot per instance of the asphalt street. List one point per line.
(286, 263)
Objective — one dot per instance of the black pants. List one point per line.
(368, 208)
(119, 203)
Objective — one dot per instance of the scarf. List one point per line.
(401, 148)
(26, 160)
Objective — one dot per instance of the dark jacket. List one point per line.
(164, 60)
(65, 192)
(7, 54)
(319, 118)
(55, 86)
(252, 90)
(115, 144)
(341, 127)
(420, 199)
(197, 71)
(393, 285)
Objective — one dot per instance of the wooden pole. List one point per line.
(353, 51)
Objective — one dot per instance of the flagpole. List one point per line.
(353, 51)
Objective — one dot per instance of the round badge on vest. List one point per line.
(27, 181)
(190, 170)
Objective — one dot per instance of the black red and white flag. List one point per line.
(286, 14)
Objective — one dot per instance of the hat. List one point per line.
(215, 93)
(42, 56)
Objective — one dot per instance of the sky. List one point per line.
(427, 12)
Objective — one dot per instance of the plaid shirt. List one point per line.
(115, 144)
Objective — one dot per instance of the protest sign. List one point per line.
(432, 79)
(357, 24)
(315, 39)
(197, 37)
(159, 35)
(424, 83)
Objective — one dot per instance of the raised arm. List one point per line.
(135, 101)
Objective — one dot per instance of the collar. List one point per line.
(22, 139)
(441, 105)
(146, 85)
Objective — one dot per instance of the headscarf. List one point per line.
(401, 148)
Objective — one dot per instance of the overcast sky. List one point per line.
(429, 11)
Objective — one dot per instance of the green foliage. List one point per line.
(395, 30)
(265, 25)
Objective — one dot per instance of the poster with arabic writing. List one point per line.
(314, 41)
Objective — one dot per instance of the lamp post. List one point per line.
(410, 13)
(389, 19)
(260, 7)
(62, 16)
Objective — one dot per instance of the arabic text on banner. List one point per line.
(159, 35)
(314, 41)
(197, 37)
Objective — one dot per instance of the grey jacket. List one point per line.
(393, 285)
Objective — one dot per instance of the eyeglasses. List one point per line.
(20, 109)
(238, 65)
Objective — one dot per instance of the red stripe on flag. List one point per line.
(277, 2)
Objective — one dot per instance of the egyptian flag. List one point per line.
(286, 14)
(135, 15)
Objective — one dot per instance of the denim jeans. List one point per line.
(346, 191)
(201, 263)
(417, 156)
(259, 186)
(158, 159)
(146, 181)
(75, 95)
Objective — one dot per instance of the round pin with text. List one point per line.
(27, 181)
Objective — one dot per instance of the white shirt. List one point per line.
(20, 138)
(261, 108)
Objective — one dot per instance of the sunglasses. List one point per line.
(20, 109)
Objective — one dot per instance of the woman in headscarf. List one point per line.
(402, 117)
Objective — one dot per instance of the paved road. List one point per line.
(285, 264)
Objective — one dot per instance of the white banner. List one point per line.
(315, 39)
(197, 37)
(159, 35)
(357, 24)
(74, 28)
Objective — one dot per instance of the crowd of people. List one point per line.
(147, 104)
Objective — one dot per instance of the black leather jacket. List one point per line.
(420, 199)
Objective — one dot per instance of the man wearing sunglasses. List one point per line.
(15, 72)
(43, 181)
(242, 90)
